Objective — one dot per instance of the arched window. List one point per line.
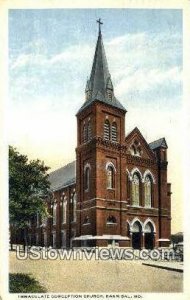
(74, 207)
(111, 219)
(148, 191)
(73, 204)
(65, 211)
(110, 177)
(84, 134)
(89, 131)
(54, 213)
(86, 178)
(114, 132)
(128, 188)
(106, 130)
(135, 190)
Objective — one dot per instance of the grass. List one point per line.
(24, 283)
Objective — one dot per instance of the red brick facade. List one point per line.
(86, 223)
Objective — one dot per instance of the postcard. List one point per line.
(94, 126)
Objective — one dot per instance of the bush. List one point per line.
(24, 283)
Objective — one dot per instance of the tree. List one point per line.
(28, 187)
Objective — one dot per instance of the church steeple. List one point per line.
(100, 74)
(99, 87)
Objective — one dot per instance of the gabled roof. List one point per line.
(136, 132)
(100, 79)
(158, 143)
(63, 176)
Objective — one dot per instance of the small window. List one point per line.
(110, 177)
(114, 132)
(109, 94)
(86, 178)
(111, 220)
(106, 130)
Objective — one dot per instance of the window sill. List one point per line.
(138, 206)
(86, 224)
(111, 189)
(111, 224)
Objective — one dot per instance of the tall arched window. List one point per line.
(84, 134)
(110, 177)
(86, 178)
(89, 131)
(114, 132)
(74, 207)
(135, 190)
(65, 210)
(106, 130)
(54, 213)
(148, 191)
(128, 188)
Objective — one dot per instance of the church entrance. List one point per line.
(136, 235)
(149, 236)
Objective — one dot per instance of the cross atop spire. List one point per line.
(99, 86)
(99, 23)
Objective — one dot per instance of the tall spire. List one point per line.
(100, 74)
(99, 86)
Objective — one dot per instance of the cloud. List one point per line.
(142, 63)
(142, 66)
(148, 79)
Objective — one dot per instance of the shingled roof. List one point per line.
(100, 79)
(63, 177)
(158, 143)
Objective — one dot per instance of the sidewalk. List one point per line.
(167, 265)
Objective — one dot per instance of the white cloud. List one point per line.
(144, 79)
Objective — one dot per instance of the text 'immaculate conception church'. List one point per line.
(116, 192)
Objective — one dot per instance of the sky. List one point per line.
(50, 57)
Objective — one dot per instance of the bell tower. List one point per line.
(100, 136)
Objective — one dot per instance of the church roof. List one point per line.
(158, 143)
(100, 79)
(63, 177)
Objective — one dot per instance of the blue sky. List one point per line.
(50, 58)
(38, 36)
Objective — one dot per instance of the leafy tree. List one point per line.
(28, 186)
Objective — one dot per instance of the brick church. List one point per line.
(116, 191)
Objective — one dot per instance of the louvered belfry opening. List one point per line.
(106, 130)
(114, 132)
